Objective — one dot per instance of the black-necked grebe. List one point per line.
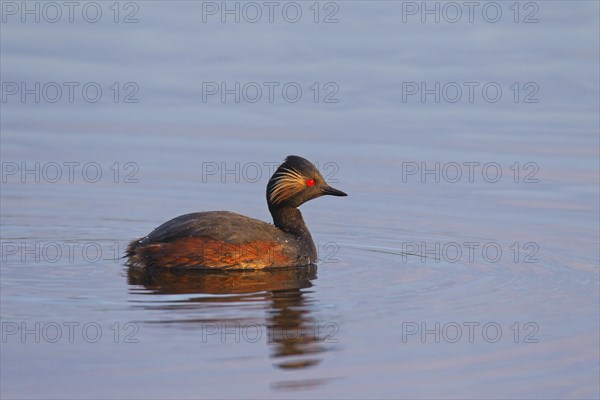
(226, 240)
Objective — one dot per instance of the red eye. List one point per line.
(310, 182)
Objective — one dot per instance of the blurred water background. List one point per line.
(464, 262)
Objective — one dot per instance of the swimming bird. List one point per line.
(226, 240)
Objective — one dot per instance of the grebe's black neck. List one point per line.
(289, 219)
(295, 182)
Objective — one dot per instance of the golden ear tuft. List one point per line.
(288, 182)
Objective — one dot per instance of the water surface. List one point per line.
(411, 297)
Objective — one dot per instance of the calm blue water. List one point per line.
(464, 262)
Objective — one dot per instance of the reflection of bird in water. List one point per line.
(165, 281)
(291, 330)
(225, 240)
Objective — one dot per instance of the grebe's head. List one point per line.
(295, 182)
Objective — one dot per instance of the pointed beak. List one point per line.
(331, 191)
